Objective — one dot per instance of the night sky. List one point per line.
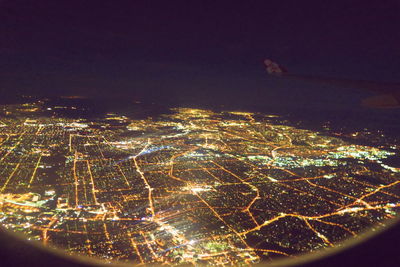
(205, 53)
(185, 52)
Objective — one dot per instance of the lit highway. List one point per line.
(190, 186)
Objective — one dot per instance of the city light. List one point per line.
(191, 186)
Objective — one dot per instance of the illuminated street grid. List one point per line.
(192, 186)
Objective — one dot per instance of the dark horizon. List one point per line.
(119, 173)
(186, 52)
